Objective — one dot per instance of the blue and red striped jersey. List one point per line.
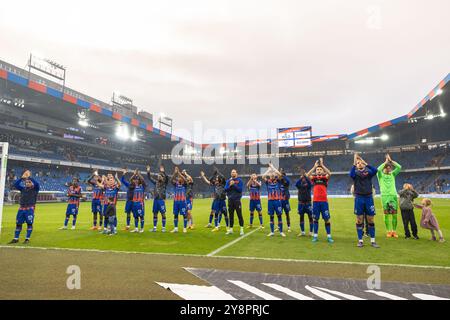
(74, 194)
(138, 194)
(180, 192)
(255, 192)
(97, 193)
(111, 192)
(273, 189)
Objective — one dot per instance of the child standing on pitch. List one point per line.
(110, 215)
(428, 220)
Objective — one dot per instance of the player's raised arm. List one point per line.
(149, 175)
(123, 179)
(313, 169)
(175, 175)
(202, 175)
(265, 174)
(277, 172)
(397, 168)
(116, 178)
(327, 171)
(249, 182)
(187, 177)
(17, 184)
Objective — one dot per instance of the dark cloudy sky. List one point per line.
(338, 66)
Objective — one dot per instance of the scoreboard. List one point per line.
(297, 137)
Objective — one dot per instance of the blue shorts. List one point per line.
(321, 207)
(25, 216)
(219, 206)
(128, 206)
(305, 208)
(364, 206)
(96, 206)
(255, 205)
(72, 209)
(189, 204)
(138, 209)
(286, 207)
(274, 206)
(159, 205)
(104, 209)
(179, 207)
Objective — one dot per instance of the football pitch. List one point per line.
(255, 244)
(134, 266)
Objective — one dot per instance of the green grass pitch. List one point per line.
(201, 241)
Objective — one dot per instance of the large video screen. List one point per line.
(297, 137)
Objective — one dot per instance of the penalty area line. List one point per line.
(225, 257)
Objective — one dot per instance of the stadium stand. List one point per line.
(45, 136)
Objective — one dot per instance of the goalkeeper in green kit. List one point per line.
(386, 178)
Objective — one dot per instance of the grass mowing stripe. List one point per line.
(229, 257)
(229, 244)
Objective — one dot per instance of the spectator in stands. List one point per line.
(428, 220)
(407, 196)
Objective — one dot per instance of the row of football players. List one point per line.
(105, 191)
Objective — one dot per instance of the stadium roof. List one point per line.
(19, 76)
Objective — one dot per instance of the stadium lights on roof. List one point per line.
(371, 140)
(120, 99)
(83, 123)
(364, 141)
(55, 64)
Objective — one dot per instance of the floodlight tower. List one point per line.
(48, 67)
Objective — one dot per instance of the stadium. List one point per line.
(60, 135)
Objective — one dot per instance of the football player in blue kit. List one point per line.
(97, 197)
(272, 179)
(362, 175)
(74, 195)
(254, 188)
(218, 206)
(159, 197)
(129, 202)
(138, 185)
(285, 196)
(29, 189)
(179, 199)
(304, 187)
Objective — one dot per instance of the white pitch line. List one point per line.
(339, 262)
(230, 257)
(321, 294)
(386, 295)
(254, 290)
(288, 291)
(229, 244)
(195, 292)
(340, 294)
(424, 296)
